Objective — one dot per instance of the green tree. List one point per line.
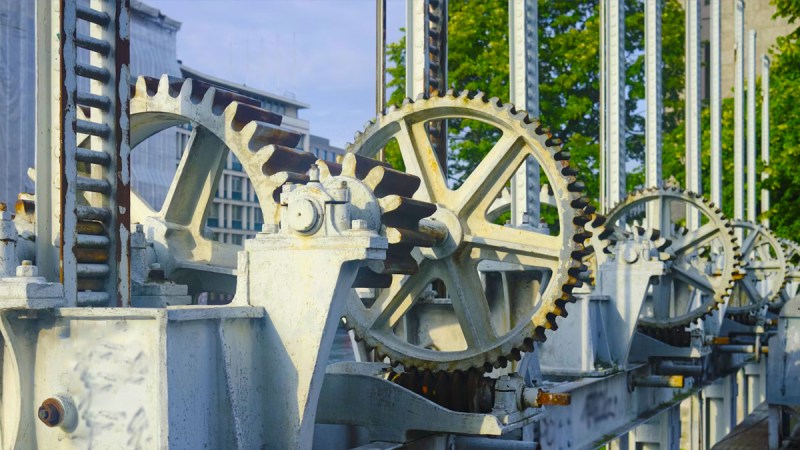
(784, 108)
(784, 178)
(568, 76)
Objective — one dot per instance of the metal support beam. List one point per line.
(738, 114)
(380, 60)
(524, 74)
(613, 101)
(716, 106)
(416, 56)
(764, 135)
(426, 61)
(751, 126)
(653, 96)
(693, 123)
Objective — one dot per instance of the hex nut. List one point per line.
(51, 412)
(27, 269)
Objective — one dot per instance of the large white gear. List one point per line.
(443, 318)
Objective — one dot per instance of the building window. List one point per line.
(181, 141)
(213, 216)
(236, 239)
(236, 188)
(236, 217)
(325, 155)
(258, 220)
(235, 164)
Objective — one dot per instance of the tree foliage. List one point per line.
(568, 75)
(784, 107)
(570, 85)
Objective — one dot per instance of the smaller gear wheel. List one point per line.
(701, 263)
(764, 270)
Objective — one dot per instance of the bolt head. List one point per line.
(359, 225)
(27, 270)
(51, 412)
(270, 228)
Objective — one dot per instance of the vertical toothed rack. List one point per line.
(426, 69)
(92, 152)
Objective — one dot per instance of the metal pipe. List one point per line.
(738, 115)
(693, 123)
(736, 348)
(380, 61)
(524, 86)
(764, 136)
(751, 126)
(669, 381)
(673, 368)
(716, 107)
(603, 135)
(485, 443)
(615, 107)
(653, 98)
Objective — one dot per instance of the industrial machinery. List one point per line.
(460, 322)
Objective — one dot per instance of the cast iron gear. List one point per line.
(765, 270)
(704, 262)
(222, 121)
(443, 319)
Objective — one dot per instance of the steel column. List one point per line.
(524, 75)
(751, 126)
(426, 61)
(653, 96)
(764, 135)
(603, 130)
(416, 56)
(693, 123)
(738, 114)
(716, 106)
(380, 60)
(614, 107)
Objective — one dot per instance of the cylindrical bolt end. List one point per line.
(536, 398)
(51, 412)
(669, 381)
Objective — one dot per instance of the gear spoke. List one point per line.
(419, 159)
(692, 276)
(400, 297)
(470, 303)
(529, 248)
(695, 239)
(486, 182)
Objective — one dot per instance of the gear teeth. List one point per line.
(479, 96)
(553, 142)
(576, 186)
(562, 155)
(569, 171)
(385, 181)
(599, 221)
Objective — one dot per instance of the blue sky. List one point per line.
(322, 51)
